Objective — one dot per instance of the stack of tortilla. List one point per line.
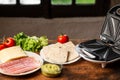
(60, 53)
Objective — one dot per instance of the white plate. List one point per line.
(31, 54)
(69, 62)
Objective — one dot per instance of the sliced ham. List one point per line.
(20, 65)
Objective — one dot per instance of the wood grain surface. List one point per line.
(80, 70)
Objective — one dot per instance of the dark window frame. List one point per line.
(80, 10)
(45, 9)
(20, 10)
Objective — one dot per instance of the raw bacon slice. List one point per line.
(20, 65)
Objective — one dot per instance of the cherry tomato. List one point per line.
(63, 38)
(9, 42)
(2, 46)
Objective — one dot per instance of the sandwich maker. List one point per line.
(107, 48)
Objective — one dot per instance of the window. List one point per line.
(61, 2)
(85, 2)
(8, 2)
(30, 2)
(21, 8)
(53, 8)
(69, 2)
(71, 8)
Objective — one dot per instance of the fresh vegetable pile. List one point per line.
(28, 43)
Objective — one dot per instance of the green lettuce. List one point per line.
(34, 43)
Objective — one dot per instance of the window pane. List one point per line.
(61, 2)
(8, 2)
(87, 2)
(30, 2)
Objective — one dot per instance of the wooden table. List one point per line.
(80, 70)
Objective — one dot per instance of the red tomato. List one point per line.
(9, 42)
(63, 38)
(2, 46)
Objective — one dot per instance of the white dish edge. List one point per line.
(69, 62)
(30, 54)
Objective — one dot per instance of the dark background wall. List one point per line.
(75, 27)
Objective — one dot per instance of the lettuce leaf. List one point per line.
(34, 43)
